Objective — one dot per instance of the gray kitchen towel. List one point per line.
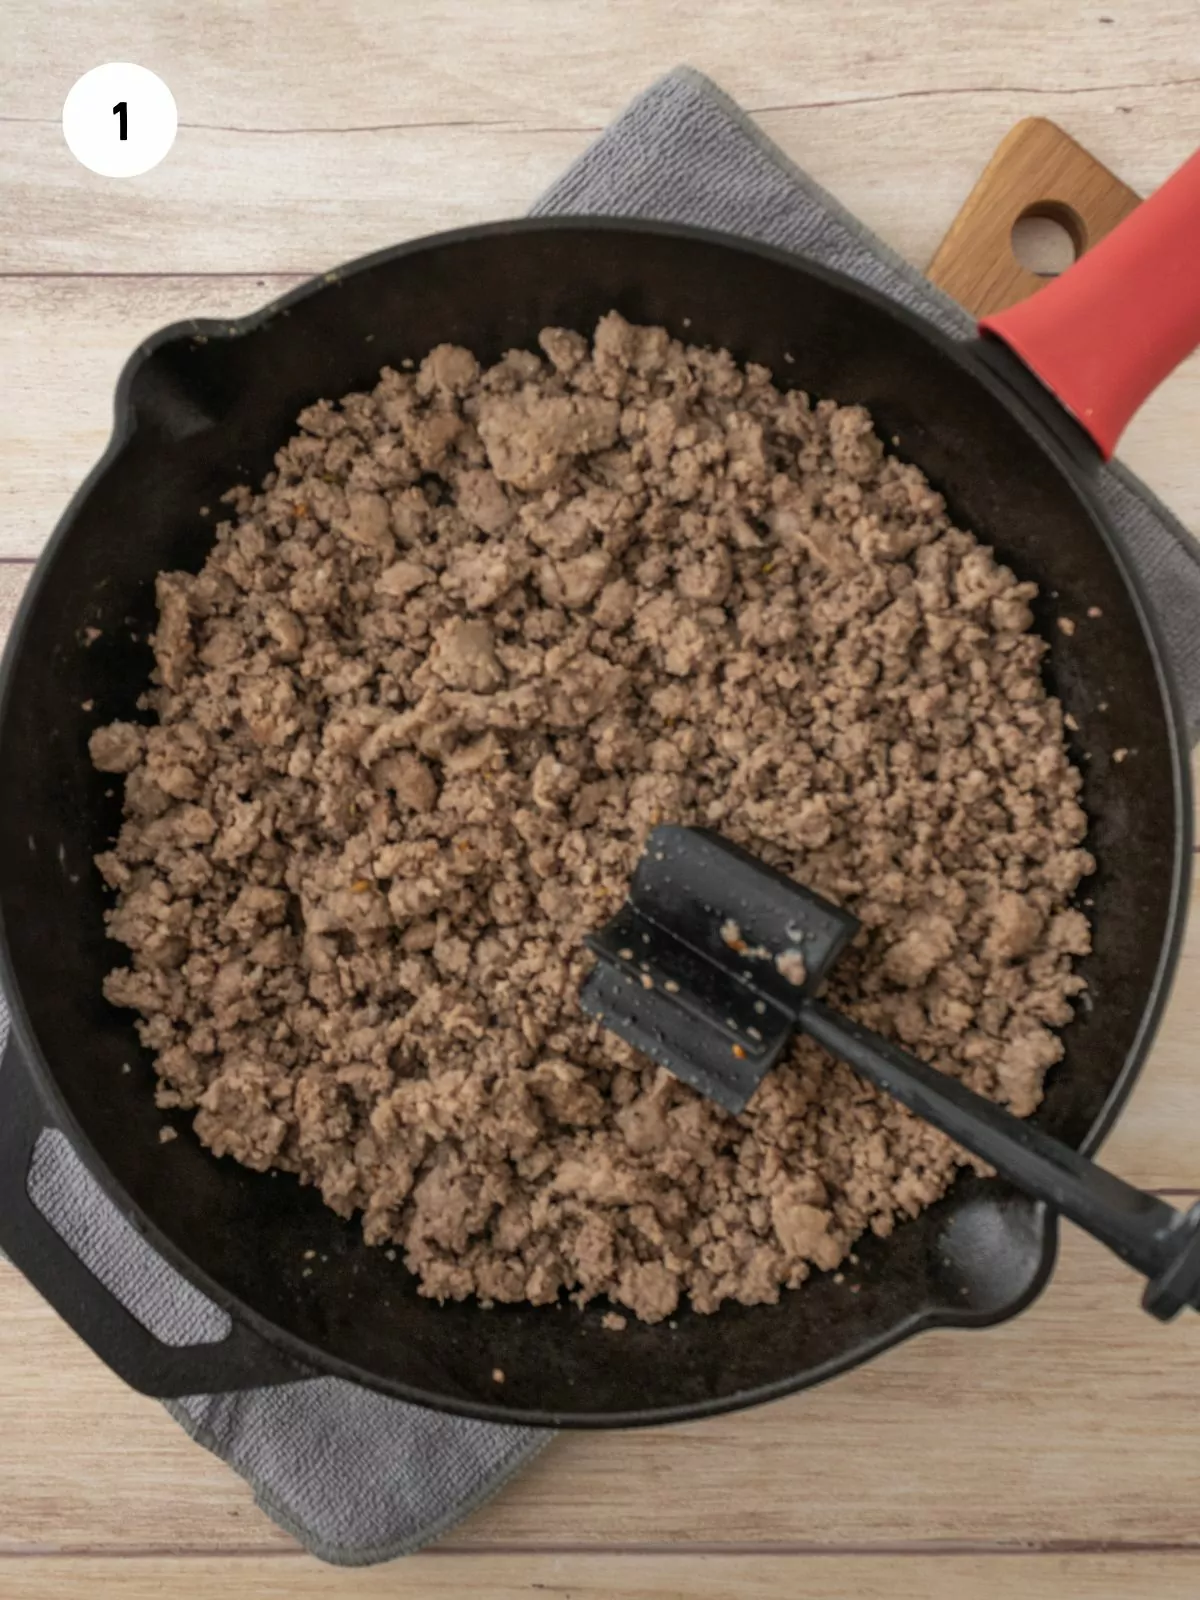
(358, 1478)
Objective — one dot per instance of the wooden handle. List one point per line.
(1039, 171)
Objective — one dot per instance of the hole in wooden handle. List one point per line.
(979, 263)
(1048, 237)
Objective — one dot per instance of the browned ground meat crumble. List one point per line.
(477, 633)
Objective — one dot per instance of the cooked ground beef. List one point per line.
(474, 636)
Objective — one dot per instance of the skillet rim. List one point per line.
(1048, 430)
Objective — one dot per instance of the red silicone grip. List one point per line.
(1105, 335)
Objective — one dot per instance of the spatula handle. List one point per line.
(1154, 1238)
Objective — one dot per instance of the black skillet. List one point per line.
(203, 405)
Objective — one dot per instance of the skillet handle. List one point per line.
(241, 1360)
(1105, 334)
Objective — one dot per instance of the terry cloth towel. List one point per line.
(357, 1477)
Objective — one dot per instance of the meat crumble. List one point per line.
(477, 633)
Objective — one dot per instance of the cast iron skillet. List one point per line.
(204, 405)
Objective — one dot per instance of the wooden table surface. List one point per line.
(1056, 1456)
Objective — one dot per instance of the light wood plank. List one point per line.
(753, 1576)
(558, 61)
(296, 203)
(297, 157)
(63, 343)
(1072, 1422)
(303, 201)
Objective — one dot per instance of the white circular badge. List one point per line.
(119, 120)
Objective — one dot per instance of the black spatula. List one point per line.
(715, 960)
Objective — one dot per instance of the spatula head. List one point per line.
(706, 966)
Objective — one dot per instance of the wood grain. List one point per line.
(988, 1465)
(1038, 170)
(753, 1575)
(365, 123)
(303, 202)
(569, 62)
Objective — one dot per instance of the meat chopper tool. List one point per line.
(715, 960)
